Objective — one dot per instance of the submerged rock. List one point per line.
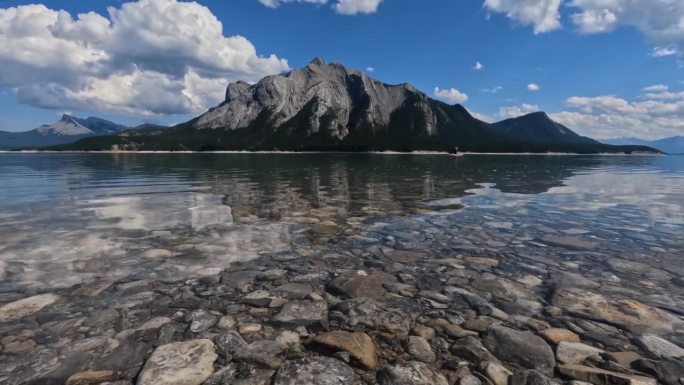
(264, 353)
(359, 284)
(19, 309)
(629, 314)
(179, 363)
(413, 373)
(314, 371)
(420, 349)
(359, 346)
(522, 348)
(575, 352)
(531, 377)
(658, 347)
(603, 377)
(302, 313)
(396, 316)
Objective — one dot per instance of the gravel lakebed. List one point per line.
(416, 300)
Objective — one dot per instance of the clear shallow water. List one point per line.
(67, 219)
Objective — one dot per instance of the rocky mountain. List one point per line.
(66, 130)
(671, 145)
(328, 107)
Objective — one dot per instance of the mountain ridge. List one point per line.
(670, 145)
(66, 130)
(329, 107)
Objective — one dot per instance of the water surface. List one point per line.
(68, 219)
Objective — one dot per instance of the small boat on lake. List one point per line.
(456, 154)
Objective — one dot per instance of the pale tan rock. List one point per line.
(481, 261)
(603, 377)
(154, 323)
(360, 346)
(250, 328)
(628, 314)
(423, 331)
(19, 309)
(179, 363)
(157, 253)
(91, 377)
(558, 335)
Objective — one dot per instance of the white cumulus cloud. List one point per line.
(660, 21)
(542, 15)
(149, 57)
(451, 95)
(478, 66)
(655, 115)
(344, 7)
(657, 88)
(517, 111)
(533, 87)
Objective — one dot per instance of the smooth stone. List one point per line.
(271, 275)
(481, 261)
(477, 325)
(496, 372)
(259, 298)
(154, 323)
(575, 352)
(603, 377)
(359, 284)
(531, 377)
(179, 363)
(557, 335)
(91, 377)
(294, 290)
(250, 328)
(19, 309)
(471, 349)
(420, 349)
(157, 254)
(668, 371)
(629, 314)
(523, 348)
(624, 359)
(360, 346)
(314, 371)
(658, 347)
(423, 331)
(302, 313)
(469, 379)
(265, 353)
(412, 373)
(456, 331)
(434, 296)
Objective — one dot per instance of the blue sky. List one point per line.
(608, 76)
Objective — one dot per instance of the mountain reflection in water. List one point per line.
(69, 218)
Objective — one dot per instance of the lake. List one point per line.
(94, 223)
